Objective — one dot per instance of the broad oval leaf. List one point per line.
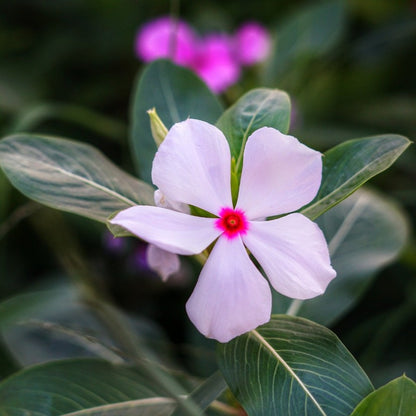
(397, 398)
(25, 305)
(349, 165)
(176, 93)
(47, 325)
(35, 340)
(365, 232)
(292, 366)
(258, 108)
(70, 176)
(82, 387)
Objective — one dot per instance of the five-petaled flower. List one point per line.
(279, 175)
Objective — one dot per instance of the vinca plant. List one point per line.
(263, 219)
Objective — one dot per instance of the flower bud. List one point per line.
(159, 130)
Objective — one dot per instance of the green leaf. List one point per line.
(38, 326)
(349, 165)
(70, 176)
(176, 93)
(207, 392)
(397, 398)
(8, 364)
(56, 322)
(258, 108)
(30, 118)
(4, 195)
(356, 231)
(82, 387)
(292, 366)
(365, 233)
(26, 305)
(33, 340)
(311, 32)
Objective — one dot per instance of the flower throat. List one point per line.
(232, 222)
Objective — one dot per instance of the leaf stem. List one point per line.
(336, 241)
(225, 408)
(294, 307)
(19, 214)
(173, 40)
(347, 224)
(201, 258)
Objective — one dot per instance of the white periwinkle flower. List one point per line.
(279, 175)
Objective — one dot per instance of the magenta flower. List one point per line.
(166, 38)
(216, 58)
(279, 175)
(215, 64)
(251, 43)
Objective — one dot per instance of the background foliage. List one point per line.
(68, 69)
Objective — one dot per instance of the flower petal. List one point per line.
(293, 253)
(231, 296)
(162, 262)
(252, 43)
(155, 38)
(279, 175)
(162, 202)
(193, 166)
(169, 230)
(215, 63)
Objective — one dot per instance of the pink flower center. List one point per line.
(232, 222)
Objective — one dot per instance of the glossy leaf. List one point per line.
(293, 366)
(82, 387)
(258, 108)
(349, 165)
(206, 392)
(397, 398)
(365, 232)
(25, 305)
(310, 32)
(70, 176)
(52, 331)
(55, 322)
(40, 326)
(176, 93)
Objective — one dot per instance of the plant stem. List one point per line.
(225, 408)
(19, 214)
(294, 307)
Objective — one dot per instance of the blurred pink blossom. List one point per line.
(251, 43)
(164, 37)
(216, 58)
(215, 64)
